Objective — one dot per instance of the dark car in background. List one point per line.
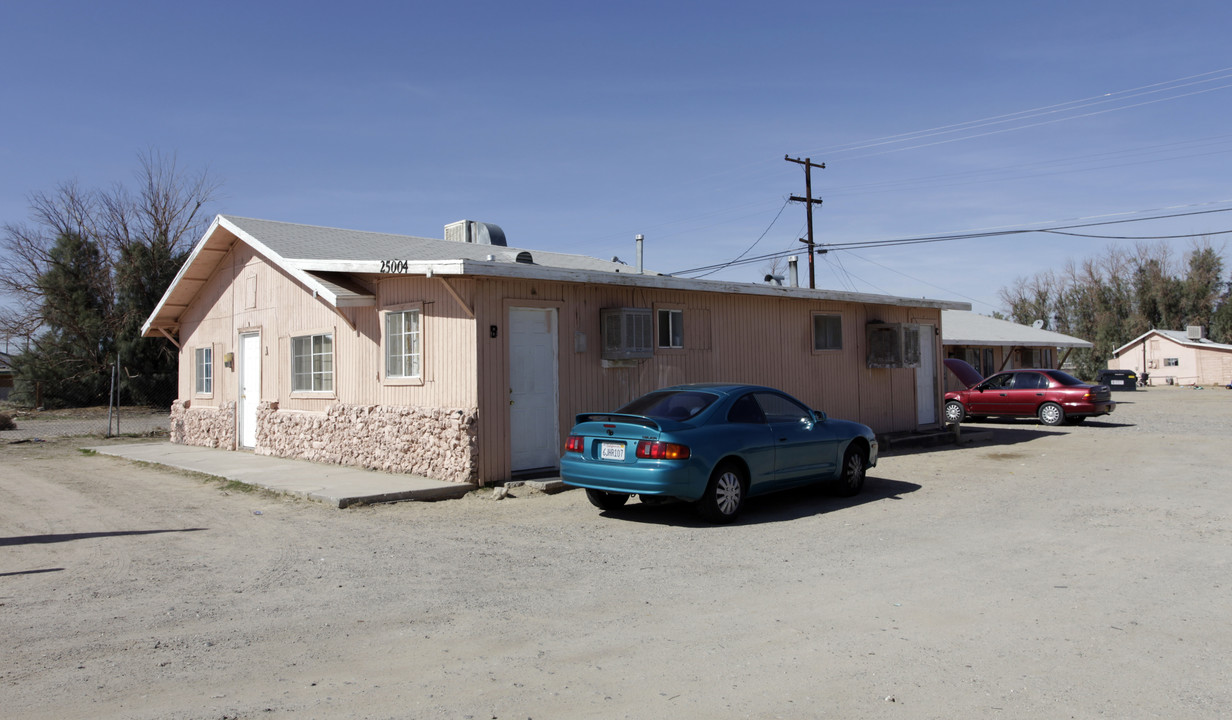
(1118, 379)
(1053, 396)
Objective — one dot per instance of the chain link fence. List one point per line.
(25, 418)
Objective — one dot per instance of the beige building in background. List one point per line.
(1175, 357)
(466, 360)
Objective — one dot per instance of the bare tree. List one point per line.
(143, 235)
(67, 211)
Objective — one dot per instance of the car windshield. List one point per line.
(670, 404)
(1064, 378)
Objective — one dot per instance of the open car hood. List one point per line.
(967, 375)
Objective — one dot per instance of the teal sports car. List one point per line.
(714, 445)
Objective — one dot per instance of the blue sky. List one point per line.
(575, 126)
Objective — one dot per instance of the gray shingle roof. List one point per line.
(959, 327)
(303, 244)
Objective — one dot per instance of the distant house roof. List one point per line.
(332, 263)
(1179, 337)
(961, 327)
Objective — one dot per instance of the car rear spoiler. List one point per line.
(617, 417)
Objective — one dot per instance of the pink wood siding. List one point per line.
(727, 337)
(283, 308)
(1195, 365)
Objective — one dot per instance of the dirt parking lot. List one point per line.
(1077, 572)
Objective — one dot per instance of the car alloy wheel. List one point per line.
(724, 495)
(1051, 414)
(954, 412)
(852, 479)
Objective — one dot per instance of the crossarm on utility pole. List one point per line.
(808, 201)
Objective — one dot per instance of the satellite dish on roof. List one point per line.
(1038, 324)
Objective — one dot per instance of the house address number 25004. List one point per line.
(395, 266)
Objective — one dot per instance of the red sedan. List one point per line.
(1055, 397)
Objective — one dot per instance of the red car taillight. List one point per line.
(652, 450)
(575, 443)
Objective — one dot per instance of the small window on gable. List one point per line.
(827, 332)
(671, 328)
(312, 363)
(203, 375)
(403, 344)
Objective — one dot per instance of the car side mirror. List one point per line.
(819, 416)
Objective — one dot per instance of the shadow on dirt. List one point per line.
(979, 435)
(777, 507)
(69, 537)
(30, 572)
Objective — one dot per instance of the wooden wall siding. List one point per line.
(1198, 366)
(448, 342)
(283, 308)
(738, 338)
(735, 338)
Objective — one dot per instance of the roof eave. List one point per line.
(481, 268)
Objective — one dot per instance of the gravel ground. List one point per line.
(1077, 572)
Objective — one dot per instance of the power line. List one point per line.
(1057, 229)
(749, 248)
(1095, 100)
(1138, 237)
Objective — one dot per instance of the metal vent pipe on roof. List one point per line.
(793, 270)
(639, 239)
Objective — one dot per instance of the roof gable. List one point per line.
(1179, 337)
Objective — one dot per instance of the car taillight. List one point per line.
(575, 443)
(653, 450)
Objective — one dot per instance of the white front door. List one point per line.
(250, 388)
(533, 433)
(926, 378)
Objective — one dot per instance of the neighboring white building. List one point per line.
(1175, 357)
(990, 345)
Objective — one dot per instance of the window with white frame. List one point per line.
(671, 328)
(827, 332)
(403, 345)
(1172, 362)
(204, 374)
(312, 363)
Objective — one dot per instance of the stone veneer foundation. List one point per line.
(432, 442)
(207, 427)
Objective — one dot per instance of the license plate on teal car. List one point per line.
(612, 451)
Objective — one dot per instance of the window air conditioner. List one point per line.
(893, 345)
(628, 333)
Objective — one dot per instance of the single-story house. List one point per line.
(1175, 357)
(991, 345)
(466, 360)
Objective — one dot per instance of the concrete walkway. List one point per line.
(337, 485)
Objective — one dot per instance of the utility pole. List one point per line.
(808, 201)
